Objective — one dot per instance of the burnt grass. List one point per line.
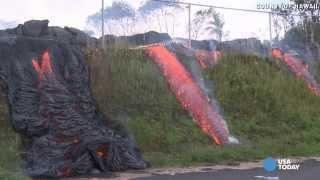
(266, 107)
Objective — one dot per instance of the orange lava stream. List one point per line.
(43, 66)
(207, 58)
(189, 94)
(299, 68)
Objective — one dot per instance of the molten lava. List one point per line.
(190, 95)
(207, 58)
(72, 142)
(299, 68)
(43, 66)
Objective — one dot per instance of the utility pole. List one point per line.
(102, 25)
(189, 27)
(270, 28)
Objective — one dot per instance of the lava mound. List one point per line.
(46, 80)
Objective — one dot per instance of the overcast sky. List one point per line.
(74, 13)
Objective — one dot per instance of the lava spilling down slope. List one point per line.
(299, 68)
(207, 58)
(190, 95)
(51, 107)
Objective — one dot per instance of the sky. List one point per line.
(75, 12)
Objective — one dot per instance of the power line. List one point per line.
(229, 8)
(270, 13)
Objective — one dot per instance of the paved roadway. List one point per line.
(310, 170)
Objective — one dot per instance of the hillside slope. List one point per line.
(266, 107)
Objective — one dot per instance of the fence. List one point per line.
(183, 19)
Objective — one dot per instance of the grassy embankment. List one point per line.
(9, 156)
(270, 111)
(267, 108)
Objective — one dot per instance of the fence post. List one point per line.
(270, 28)
(189, 28)
(102, 25)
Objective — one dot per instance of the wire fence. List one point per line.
(183, 20)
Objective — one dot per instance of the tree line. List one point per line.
(122, 19)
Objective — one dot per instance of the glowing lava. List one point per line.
(299, 68)
(207, 58)
(43, 66)
(190, 95)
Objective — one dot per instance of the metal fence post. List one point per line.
(270, 28)
(189, 28)
(102, 25)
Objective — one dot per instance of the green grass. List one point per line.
(266, 107)
(130, 89)
(261, 101)
(9, 145)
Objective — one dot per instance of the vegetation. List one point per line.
(268, 109)
(266, 106)
(130, 89)
(208, 21)
(122, 19)
(9, 144)
(306, 26)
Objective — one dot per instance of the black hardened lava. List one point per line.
(47, 83)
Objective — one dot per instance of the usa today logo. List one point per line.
(270, 164)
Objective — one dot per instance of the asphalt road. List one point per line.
(310, 170)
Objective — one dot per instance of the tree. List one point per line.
(197, 23)
(216, 24)
(161, 11)
(276, 23)
(119, 14)
(303, 20)
(308, 17)
(209, 21)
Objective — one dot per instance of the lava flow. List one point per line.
(43, 66)
(189, 94)
(207, 58)
(299, 68)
